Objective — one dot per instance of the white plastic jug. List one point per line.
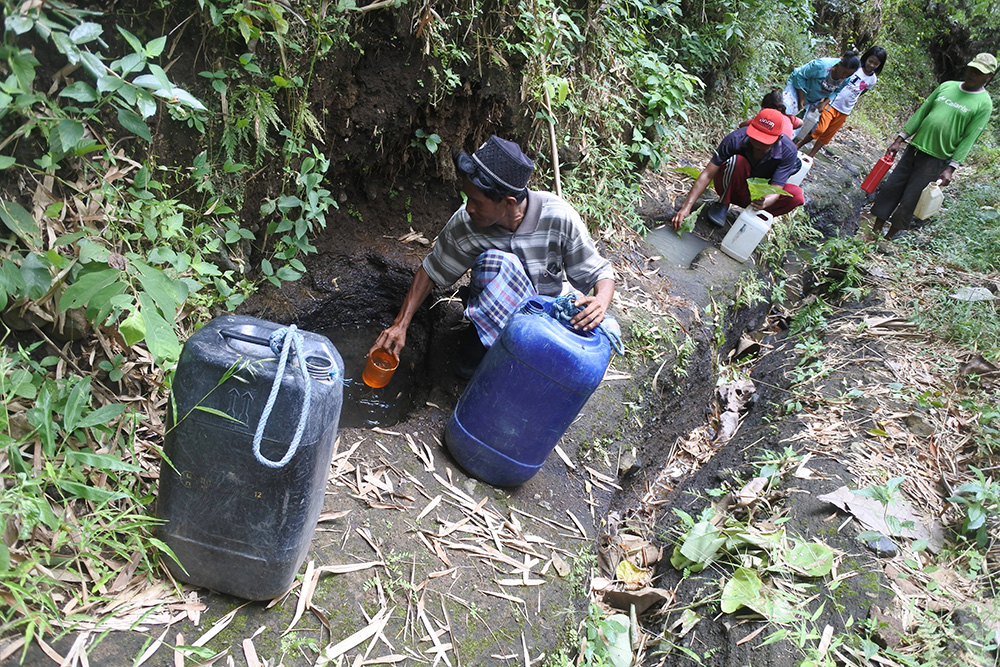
(799, 176)
(808, 122)
(930, 201)
(746, 233)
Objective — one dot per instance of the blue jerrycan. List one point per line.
(526, 392)
(240, 507)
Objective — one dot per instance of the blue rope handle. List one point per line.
(565, 308)
(281, 341)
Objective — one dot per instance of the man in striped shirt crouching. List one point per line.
(517, 242)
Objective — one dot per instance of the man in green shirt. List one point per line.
(940, 133)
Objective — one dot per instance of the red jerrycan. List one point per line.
(877, 173)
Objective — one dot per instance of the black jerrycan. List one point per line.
(247, 454)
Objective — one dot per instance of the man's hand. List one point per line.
(591, 315)
(392, 339)
(947, 175)
(679, 216)
(894, 147)
(594, 307)
(706, 176)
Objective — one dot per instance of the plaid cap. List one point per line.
(502, 162)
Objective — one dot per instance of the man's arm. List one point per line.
(594, 307)
(394, 337)
(706, 176)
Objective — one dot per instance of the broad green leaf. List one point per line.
(21, 222)
(688, 224)
(702, 543)
(159, 287)
(161, 255)
(36, 276)
(90, 493)
(110, 300)
(811, 559)
(147, 81)
(93, 64)
(184, 97)
(11, 281)
(102, 461)
(101, 415)
(133, 328)
(161, 340)
(870, 535)
(759, 187)
(66, 135)
(66, 46)
(145, 101)
(742, 590)
(133, 62)
(134, 123)
(132, 40)
(109, 83)
(206, 268)
(87, 285)
(288, 274)
(81, 91)
(4, 557)
(160, 76)
(7, 161)
(23, 66)
(689, 171)
(155, 47)
(85, 32)
(37, 510)
(18, 24)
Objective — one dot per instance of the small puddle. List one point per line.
(363, 406)
(676, 250)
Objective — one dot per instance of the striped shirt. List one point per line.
(552, 243)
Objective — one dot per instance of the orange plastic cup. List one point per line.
(381, 365)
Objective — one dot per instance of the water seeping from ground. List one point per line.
(677, 251)
(364, 406)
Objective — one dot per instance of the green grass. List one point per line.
(967, 234)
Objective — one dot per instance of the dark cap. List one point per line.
(498, 164)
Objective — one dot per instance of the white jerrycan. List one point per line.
(809, 121)
(799, 176)
(930, 201)
(746, 233)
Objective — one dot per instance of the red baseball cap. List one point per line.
(766, 126)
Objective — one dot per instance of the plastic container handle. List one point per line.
(246, 338)
(284, 339)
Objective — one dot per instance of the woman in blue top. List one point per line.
(818, 80)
